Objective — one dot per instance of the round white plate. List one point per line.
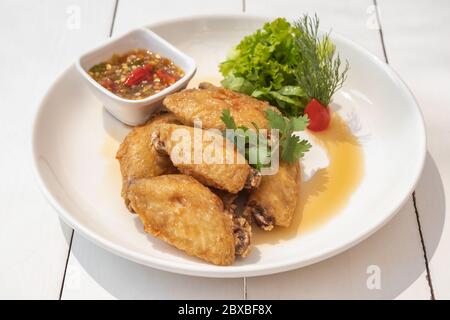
(75, 141)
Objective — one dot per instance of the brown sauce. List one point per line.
(327, 192)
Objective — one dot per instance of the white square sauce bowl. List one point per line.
(135, 112)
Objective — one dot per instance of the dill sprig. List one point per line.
(319, 73)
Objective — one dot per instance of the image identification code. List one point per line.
(232, 309)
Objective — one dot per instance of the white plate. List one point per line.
(75, 140)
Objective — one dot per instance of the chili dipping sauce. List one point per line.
(136, 74)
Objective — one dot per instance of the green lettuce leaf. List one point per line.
(238, 84)
(263, 65)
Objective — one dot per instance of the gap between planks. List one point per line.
(416, 211)
(65, 267)
(111, 29)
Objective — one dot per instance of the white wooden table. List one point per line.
(41, 258)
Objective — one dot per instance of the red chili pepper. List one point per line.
(318, 114)
(149, 77)
(165, 77)
(139, 74)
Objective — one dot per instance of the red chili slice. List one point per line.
(139, 74)
(165, 77)
(319, 116)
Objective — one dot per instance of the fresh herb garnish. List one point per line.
(228, 119)
(255, 145)
(286, 65)
(292, 148)
(319, 74)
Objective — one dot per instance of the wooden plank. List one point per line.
(394, 251)
(93, 273)
(418, 49)
(40, 38)
(354, 19)
(136, 13)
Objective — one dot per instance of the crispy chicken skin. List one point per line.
(137, 157)
(181, 211)
(207, 103)
(231, 177)
(275, 201)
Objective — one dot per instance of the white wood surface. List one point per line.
(34, 243)
(354, 19)
(418, 48)
(36, 46)
(94, 273)
(135, 13)
(396, 247)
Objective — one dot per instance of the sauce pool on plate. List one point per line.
(327, 192)
(136, 74)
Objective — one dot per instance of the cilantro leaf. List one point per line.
(293, 148)
(228, 119)
(276, 120)
(298, 123)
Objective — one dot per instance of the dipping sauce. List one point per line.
(136, 74)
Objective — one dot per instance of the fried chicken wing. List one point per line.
(241, 227)
(181, 211)
(242, 232)
(227, 198)
(219, 165)
(207, 103)
(274, 202)
(137, 157)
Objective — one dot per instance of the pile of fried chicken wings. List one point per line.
(191, 205)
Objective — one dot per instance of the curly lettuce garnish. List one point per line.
(280, 63)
